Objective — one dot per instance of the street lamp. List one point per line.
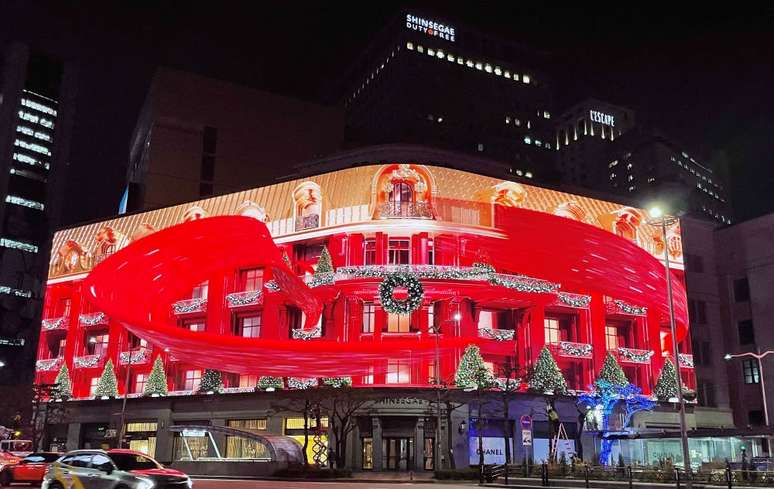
(758, 356)
(437, 374)
(657, 217)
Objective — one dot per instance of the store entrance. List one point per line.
(398, 454)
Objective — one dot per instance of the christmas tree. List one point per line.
(211, 382)
(108, 384)
(547, 377)
(63, 387)
(156, 385)
(267, 382)
(472, 373)
(612, 371)
(324, 264)
(666, 386)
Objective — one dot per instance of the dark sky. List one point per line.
(705, 77)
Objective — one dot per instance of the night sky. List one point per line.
(705, 77)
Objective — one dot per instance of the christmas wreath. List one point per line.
(402, 306)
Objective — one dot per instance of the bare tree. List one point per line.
(507, 382)
(449, 403)
(341, 403)
(44, 412)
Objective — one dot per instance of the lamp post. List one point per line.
(437, 375)
(122, 433)
(758, 356)
(659, 219)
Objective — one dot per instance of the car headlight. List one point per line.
(189, 482)
(145, 483)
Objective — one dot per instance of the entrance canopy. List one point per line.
(279, 447)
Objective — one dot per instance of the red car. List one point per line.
(29, 469)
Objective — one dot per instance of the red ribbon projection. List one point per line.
(138, 284)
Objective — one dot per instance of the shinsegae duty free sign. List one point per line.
(430, 27)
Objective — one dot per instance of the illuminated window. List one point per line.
(750, 371)
(251, 279)
(139, 383)
(525, 78)
(431, 318)
(612, 176)
(553, 335)
(469, 64)
(528, 174)
(398, 323)
(420, 48)
(450, 58)
(507, 74)
(527, 140)
(479, 66)
(410, 45)
(191, 380)
(369, 378)
(507, 119)
(248, 380)
(298, 423)
(248, 326)
(398, 372)
(460, 60)
(97, 344)
(200, 291)
(611, 337)
(369, 317)
(194, 325)
(440, 54)
(488, 68)
(517, 122)
(39, 107)
(93, 385)
(32, 147)
(498, 70)
(430, 252)
(480, 147)
(369, 251)
(135, 342)
(486, 319)
(546, 114)
(399, 252)
(430, 52)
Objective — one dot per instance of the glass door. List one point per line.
(398, 454)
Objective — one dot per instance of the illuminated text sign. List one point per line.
(429, 27)
(602, 118)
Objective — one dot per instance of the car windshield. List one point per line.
(131, 461)
(38, 458)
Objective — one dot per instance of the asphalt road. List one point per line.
(276, 484)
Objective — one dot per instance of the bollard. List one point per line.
(677, 477)
(629, 471)
(586, 474)
(544, 473)
(506, 474)
(729, 477)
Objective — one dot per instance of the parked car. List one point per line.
(30, 469)
(112, 469)
(7, 459)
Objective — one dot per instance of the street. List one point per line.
(277, 484)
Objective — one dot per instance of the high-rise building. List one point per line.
(424, 80)
(198, 136)
(36, 114)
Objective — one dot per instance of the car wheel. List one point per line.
(55, 485)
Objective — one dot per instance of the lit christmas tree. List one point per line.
(612, 372)
(108, 384)
(324, 264)
(472, 373)
(63, 387)
(547, 377)
(156, 385)
(266, 383)
(666, 386)
(211, 382)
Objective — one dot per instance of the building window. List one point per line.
(398, 323)
(97, 344)
(697, 311)
(431, 318)
(750, 371)
(245, 448)
(93, 385)
(191, 380)
(480, 147)
(135, 342)
(694, 263)
(139, 382)
(755, 417)
(248, 326)
(552, 332)
(741, 290)
(746, 332)
(194, 325)
(707, 394)
(248, 380)
(399, 252)
(369, 317)
(369, 252)
(200, 291)
(430, 252)
(398, 372)
(611, 337)
(251, 279)
(369, 378)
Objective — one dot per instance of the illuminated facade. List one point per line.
(231, 283)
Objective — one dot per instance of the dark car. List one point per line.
(112, 469)
(30, 469)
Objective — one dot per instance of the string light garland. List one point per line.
(636, 356)
(337, 382)
(193, 305)
(246, 298)
(51, 324)
(307, 334)
(268, 382)
(496, 334)
(630, 309)
(301, 383)
(47, 364)
(401, 306)
(272, 286)
(87, 361)
(92, 319)
(575, 350)
(574, 300)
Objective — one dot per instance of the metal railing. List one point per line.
(416, 210)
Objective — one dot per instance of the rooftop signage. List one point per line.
(602, 118)
(430, 27)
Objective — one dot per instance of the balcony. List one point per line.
(307, 222)
(244, 299)
(496, 334)
(620, 307)
(412, 210)
(189, 306)
(307, 334)
(93, 319)
(137, 356)
(87, 361)
(55, 324)
(567, 299)
(686, 360)
(634, 356)
(49, 364)
(569, 349)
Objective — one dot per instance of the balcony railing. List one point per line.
(307, 222)
(620, 307)
(569, 349)
(49, 364)
(245, 298)
(414, 210)
(307, 334)
(634, 355)
(93, 319)
(496, 334)
(572, 300)
(87, 361)
(189, 306)
(137, 356)
(686, 360)
(54, 324)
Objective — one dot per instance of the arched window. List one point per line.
(402, 198)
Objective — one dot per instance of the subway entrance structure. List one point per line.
(375, 277)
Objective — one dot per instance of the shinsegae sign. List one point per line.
(602, 118)
(430, 27)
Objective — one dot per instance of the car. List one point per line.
(112, 469)
(8, 459)
(30, 469)
(20, 448)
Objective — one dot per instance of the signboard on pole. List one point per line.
(494, 450)
(526, 438)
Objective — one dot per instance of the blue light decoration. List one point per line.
(606, 396)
